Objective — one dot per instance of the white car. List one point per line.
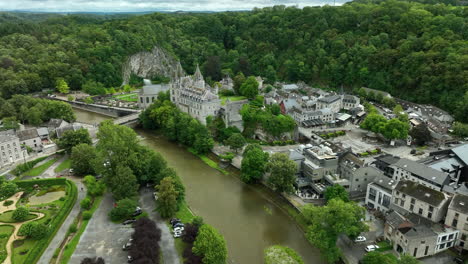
(360, 239)
(371, 248)
(177, 234)
(178, 229)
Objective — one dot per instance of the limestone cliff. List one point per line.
(148, 64)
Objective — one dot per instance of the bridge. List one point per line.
(127, 120)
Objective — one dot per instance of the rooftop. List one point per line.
(422, 171)
(7, 138)
(330, 99)
(462, 152)
(421, 192)
(27, 134)
(385, 183)
(154, 89)
(459, 203)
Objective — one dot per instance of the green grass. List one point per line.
(66, 164)
(185, 214)
(208, 161)
(5, 233)
(231, 98)
(384, 246)
(132, 97)
(7, 217)
(71, 246)
(40, 169)
(17, 257)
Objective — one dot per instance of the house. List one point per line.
(73, 127)
(453, 161)
(30, 138)
(53, 124)
(383, 163)
(10, 149)
(457, 217)
(230, 113)
(300, 116)
(379, 193)
(296, 156)
(405, 169)
(288, 104)
(320, 160)
(332, 102)
(421, 200)
(149, 93)
(289, 87)
(43, 133)
(349, 102)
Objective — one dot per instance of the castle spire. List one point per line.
(198, 76)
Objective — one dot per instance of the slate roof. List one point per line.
(290, 87)
(459, 203)
(394, 219)
(7, 138)
(421, 192)
(290, 103)
(388, 159)
(27, 134)
(330, 99)
(42, 131)
(419, 231)
(62, 130)
(55, 122)
(385, 183)
(423, 171)
(462, 152)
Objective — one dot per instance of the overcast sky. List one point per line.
(149, 5)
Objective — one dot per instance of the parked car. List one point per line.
(137, 212)
(155, 195)
(371, 248)
(174, 220)
(177, 234)
(127, 245)
(129, 259)
(178, 229)
(360, 239)
(178, 225)
(129, 221)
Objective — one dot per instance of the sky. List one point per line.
(150, 5)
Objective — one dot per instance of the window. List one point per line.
(404, 195)
(420, 211)
(372, 194)
(450, 237)
(415, 252)
(425, 251)
(147, 100)
(402, 202)
(431, 209)
(456, 215)
(411, 207)
(463, 237)
(429, 215)
(442, 246)
(413, 200)
(141, 99)
(454, 222)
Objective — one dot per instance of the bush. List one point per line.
(20, 214)
(34, 230)
(22, 168)
(7, 189)
(87, 215)
(73, 228)
(8, 203)
(124, 209)
(86, 203)
(363, 154)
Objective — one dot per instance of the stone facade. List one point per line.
(10, 150)
(30, 138)
(379, 193)
(149, 93)
(457, 217)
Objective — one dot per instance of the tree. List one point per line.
(72, 138)
(236, 142)
(20, 214)
(253, 164)
(407, 259)
(379, 258)
(86, 203)
(212, 68)
(421, 134)
(124, 209)
(460, 129)
(94, 260)
(9, 123)
(395, 129)
(326, 223)
(281, 255)
(249, 88)
(238, 80)
(123, 184)
(210, 245)
(62, 86)
(282, 173)
(94, 188)
(398, 110)
(83, 158)
(336, 191)
(34, 230)
(203, 143)
(167, 198)
(7, 189)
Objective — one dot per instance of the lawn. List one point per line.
(21, 248)
(132, 97)
(184, 213)
(5, 233)
(7, 217)
(40, 169)
(213, 164)
(231, 98)
(66, 164)
(384, 246)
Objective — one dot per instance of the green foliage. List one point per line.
(390, 129)
(336, 191)
(273, 125)
(9, 123)
(282, 173)
(34, 230)
(86, 203)
(253, 164)
(124, 209)
(460, 129)
(123, 184)
(421, 134)
(210, 245)
(249, 88)
(407, 259)
(7, 189)
(281, 255)
(7, 202)
(167, 198)
(73, 138)
(328, 222)
(20, 214)
(62, 86)
(87, 215)
(22, 168)
(94, 88)
(236, 142)
(89, 100)
(94, 188)
(379, 258)
(83, 157)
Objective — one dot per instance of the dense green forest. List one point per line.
(413, 50)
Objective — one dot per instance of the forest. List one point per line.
(415, 50)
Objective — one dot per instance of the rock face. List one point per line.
(149, 64)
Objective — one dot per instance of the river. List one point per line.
(248, 218)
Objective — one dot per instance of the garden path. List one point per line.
(13, 198)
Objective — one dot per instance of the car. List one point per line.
(129, 259)
(360, 239)
(371, 248)
(174, 220)
(127, 245)
(155, 195)
(128, 222)
(178, 225)
(137, 212)
(177, 229)
(177, 234)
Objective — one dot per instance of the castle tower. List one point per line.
(198, 78)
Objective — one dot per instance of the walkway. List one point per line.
(167, 242)
(50, 172)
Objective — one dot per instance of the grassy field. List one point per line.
(5, 233)
(231, 98)
(208, 161)
(20, 253)
(66, 164)
(7, 217)
(40, 169)
(132, 97)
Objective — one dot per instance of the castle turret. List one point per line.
(198, 78)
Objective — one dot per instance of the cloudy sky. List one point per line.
(149, 5)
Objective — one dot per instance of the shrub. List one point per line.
(86, 203)
(87, 215)
(20, 214)
(124, 209)
(34, 230)
(7, 189)
(22, 168)
(8, 203)
(363, 154)
(73, 228)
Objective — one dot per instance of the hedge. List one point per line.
(22, 168)
(44, 182)
(41, 245)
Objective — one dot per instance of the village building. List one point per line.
(379, 193)
(10, 149)
(149, 93)
(457, 217)
(30, 138)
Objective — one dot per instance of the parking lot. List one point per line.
(102, 238)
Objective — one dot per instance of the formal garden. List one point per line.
(31, 212)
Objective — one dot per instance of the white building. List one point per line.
(10, 150)
(379, 193)
(149, 93)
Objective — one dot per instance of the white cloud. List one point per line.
(150, 5)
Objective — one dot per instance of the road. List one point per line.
(167, 245)
(102, 238)
(62, 232)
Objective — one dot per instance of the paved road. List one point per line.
(102, 238)
(50, 172)
(61, 233)
(167, 245)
